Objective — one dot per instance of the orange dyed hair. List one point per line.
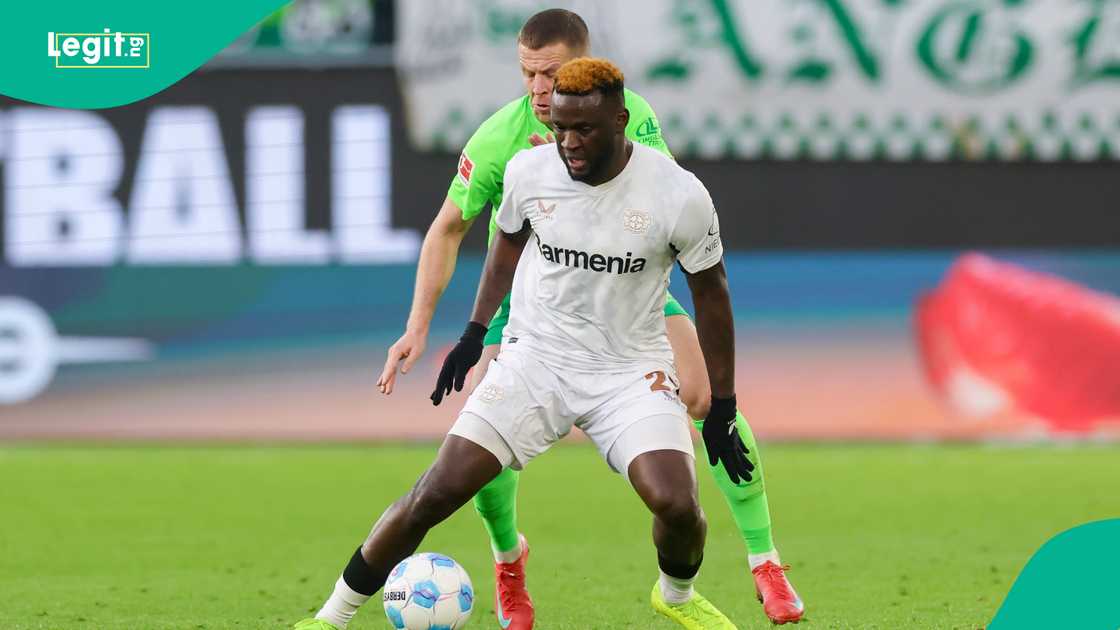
(588, 74)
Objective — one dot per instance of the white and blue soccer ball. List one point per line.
(428, 591)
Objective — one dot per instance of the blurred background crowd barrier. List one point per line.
(231, 257)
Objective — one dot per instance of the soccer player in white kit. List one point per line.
(589, 230)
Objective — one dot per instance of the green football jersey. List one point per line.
(482, 165)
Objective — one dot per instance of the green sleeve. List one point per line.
(673, 307)
(643, 126)
(478, 177)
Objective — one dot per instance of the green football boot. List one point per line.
(314, 624)
(695, 614)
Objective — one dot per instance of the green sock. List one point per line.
(496, 503)
(747, 501)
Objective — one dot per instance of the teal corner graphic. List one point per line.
(94, 55)
(1073, 581)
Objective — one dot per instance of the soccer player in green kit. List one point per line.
(546, 41)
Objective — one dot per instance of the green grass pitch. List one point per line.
(254, 537)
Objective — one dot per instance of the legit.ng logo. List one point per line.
(105, 50)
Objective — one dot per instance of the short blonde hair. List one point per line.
(588, 74)
(555, 25)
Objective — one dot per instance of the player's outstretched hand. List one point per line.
(722, 441)
(536, 139)
(459, 361)
(408, 348)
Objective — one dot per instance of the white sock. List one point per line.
(758, 559)
(675, 590)
(341, 605)
(506, 557)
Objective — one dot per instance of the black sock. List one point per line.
(358, 576)
(679, 571)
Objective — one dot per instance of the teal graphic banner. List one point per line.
(95, 55)
(1069, 583)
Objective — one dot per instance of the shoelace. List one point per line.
(506, 594)
(775, 575)
(705, 610)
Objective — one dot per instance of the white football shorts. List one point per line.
(522, 407)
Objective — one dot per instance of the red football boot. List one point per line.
(513, 606)
(779, 601)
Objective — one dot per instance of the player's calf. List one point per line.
(679, 532)
(677, 511)
(461, 468)
(429, 503)
(666, 482)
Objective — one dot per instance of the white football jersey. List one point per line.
(589, 291)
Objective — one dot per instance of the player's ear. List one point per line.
(623, 119)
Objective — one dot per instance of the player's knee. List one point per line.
(684, 515)
(426, 505)
(679, 510)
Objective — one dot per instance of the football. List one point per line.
(428, 591)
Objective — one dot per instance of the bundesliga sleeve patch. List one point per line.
(465, 168)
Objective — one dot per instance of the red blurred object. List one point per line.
(995, 336)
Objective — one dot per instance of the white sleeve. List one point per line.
(695, 238)
(509, 217)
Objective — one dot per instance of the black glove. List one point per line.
(459, 361)
(723, 443)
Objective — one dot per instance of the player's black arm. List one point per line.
(497, 278)
(715, 327)
(497, 273)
